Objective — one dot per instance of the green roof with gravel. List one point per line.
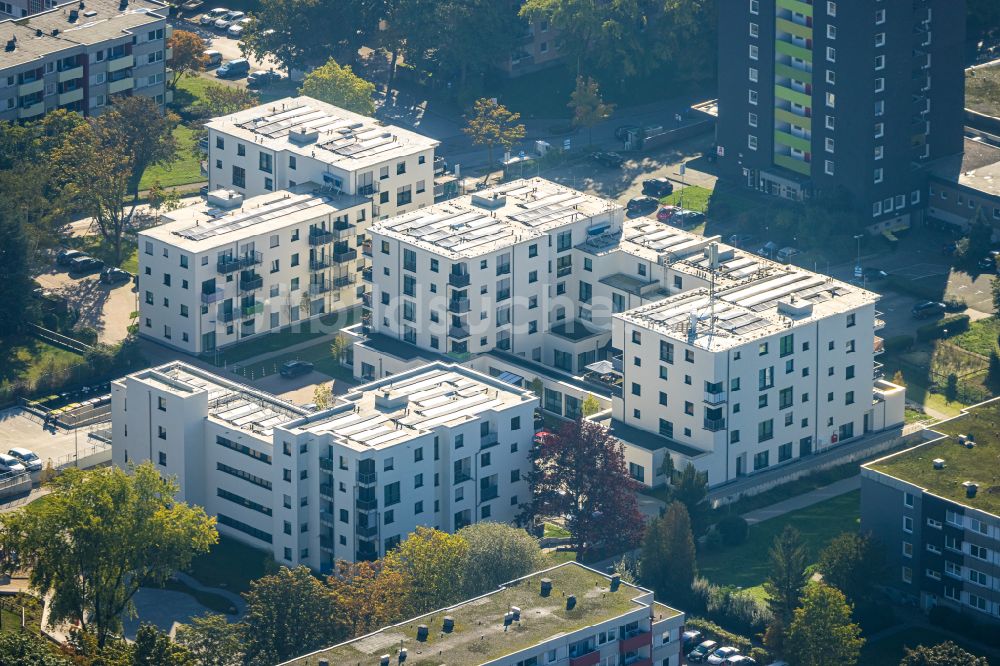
(979, 464)
(479, 635)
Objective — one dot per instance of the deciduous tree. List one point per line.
(821, 633)
(943, 654)
(590, 406)
(288, 614)
(492, 124)
(98, 536)
(691, 490)
(339, 347)
(497, 553)
(367, 596)
(428, 561)
(19, 205)
(212, 640)
(667, 563)
(154, 648)
(580, 473)
(145, 134)
(26, 649)
(188, 55)
(589, 109)
(854, 564)
(338, 85)
(222, 100)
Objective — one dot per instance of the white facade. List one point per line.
(767, 362)
(227, 269)
(291, 141)
(439, 446)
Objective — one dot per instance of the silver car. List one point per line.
(11, 465)
(28, 458)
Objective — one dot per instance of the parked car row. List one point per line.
(710, 652)
(680, 217)
(222, 19)
(19, 461)
(80, 264)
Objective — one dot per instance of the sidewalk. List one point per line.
(836, 489)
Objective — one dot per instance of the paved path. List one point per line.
(802, 501)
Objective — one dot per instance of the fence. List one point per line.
(58, 339)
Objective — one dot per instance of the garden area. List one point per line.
(982, 90)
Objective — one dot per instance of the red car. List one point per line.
(665, 213)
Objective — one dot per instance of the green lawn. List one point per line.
(692, 197)
(231, 565)
(10, 613)
(889, 650)
(747, 565)
(982, 90)
(555, 531)
(981, 338)
(317, 354)
(95, 246)
(186, 169)
(26, 358)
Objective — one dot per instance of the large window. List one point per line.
(239, 176)
(765, 430)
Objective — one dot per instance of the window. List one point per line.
(239, 177)
(752, 96)
(831, 100)
(879, 16)
(752, 119)
(831, 8)
(163, 458)
(831, 54)
(878, 175)
(831, 31)
(765, 430)
(265, 162)
(879, 39)
(754, 6)
(828, 144)
(753, 74)
(752, 142)
(831, 77)
(907, 524)
(400, 168)
(830, 122)
(879, 84)
(753, 51)
(879, 152)
(785, 452)
(754, 30)
(760, 460)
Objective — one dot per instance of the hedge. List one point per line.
(898, 343)
(717, 633)
(954, 325)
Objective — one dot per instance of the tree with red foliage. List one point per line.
(580, 473)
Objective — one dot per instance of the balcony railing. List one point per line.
(459, 280)
(458, 305)
(490, 493)
(345, 255)
(715, 398)
(320, 237)
(879, 345)
(212, 297)
(327, 517)
(225, 316)
(366, 478)
(326, 489)
(366, 249)
(488, 439)
(366, 299)
(366, 276)
(321, 288)
(458, 332)
(366, 504)
(252, 310)
(231, 264)
(343, 281)
(503, 295)
(462, 477)
(366, 531)
(250, 284)
(319, 264)
(715, 425)
(326, 464)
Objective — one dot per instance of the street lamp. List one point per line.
(858, 272)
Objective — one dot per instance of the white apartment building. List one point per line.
(295, 140)
(440, 445)
(760, 364)
(569, 615)
(77, 56)
(226, 269)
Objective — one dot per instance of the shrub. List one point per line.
(736, 609)
(899, 343)
(719, 634)
(734, 529)
(953, 325)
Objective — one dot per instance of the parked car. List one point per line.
(739, 660)
(11, 465)
(640, 205)
(875, 274)
(740, 240)
(687, 218)
(785, 254)
(66, 257)
(261, 78)
(235, 30)
(720, 655)
(212, 58)
(223, 22)
(768, 249)
(608, 159)
(234, 69)
(702, 652)
(928, 309)
(667, 212)
(192, 5)
(113, 275)
(690, 639)
(85, 265)
(213, 15)
(28, 458)
(295, 368)
(657, 187)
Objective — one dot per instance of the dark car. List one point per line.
(262, 78)
(85, 265)
(295, 368)
(928, 309)
(657, 187)
(639, 205)
(875, 274)
(687, 218)
(701, 653)
(667, 212)
(690, 639)
(112, 275)
(66, 257)
(234, 69)
(608, 159)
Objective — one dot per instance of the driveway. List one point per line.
(105, 308)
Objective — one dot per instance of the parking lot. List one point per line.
(20, 429)
(103, 307)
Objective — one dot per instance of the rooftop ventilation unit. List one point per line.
(448, 624)
(226, 199)
(422, 632)
(616, 581)
(384, 660)
(938, 463)
(11, 44)
(402, 655)
(74, 14)
(303, 136)
(546, 587)
(571, 602)
(490, 202)
(970, 489)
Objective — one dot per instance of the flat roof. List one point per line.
(479, 635)
(412, 403)
(985, 178)
(495, 218)
(330, 134)
(237, 405)
(979, 464)
(206, 225)
(97, 21)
